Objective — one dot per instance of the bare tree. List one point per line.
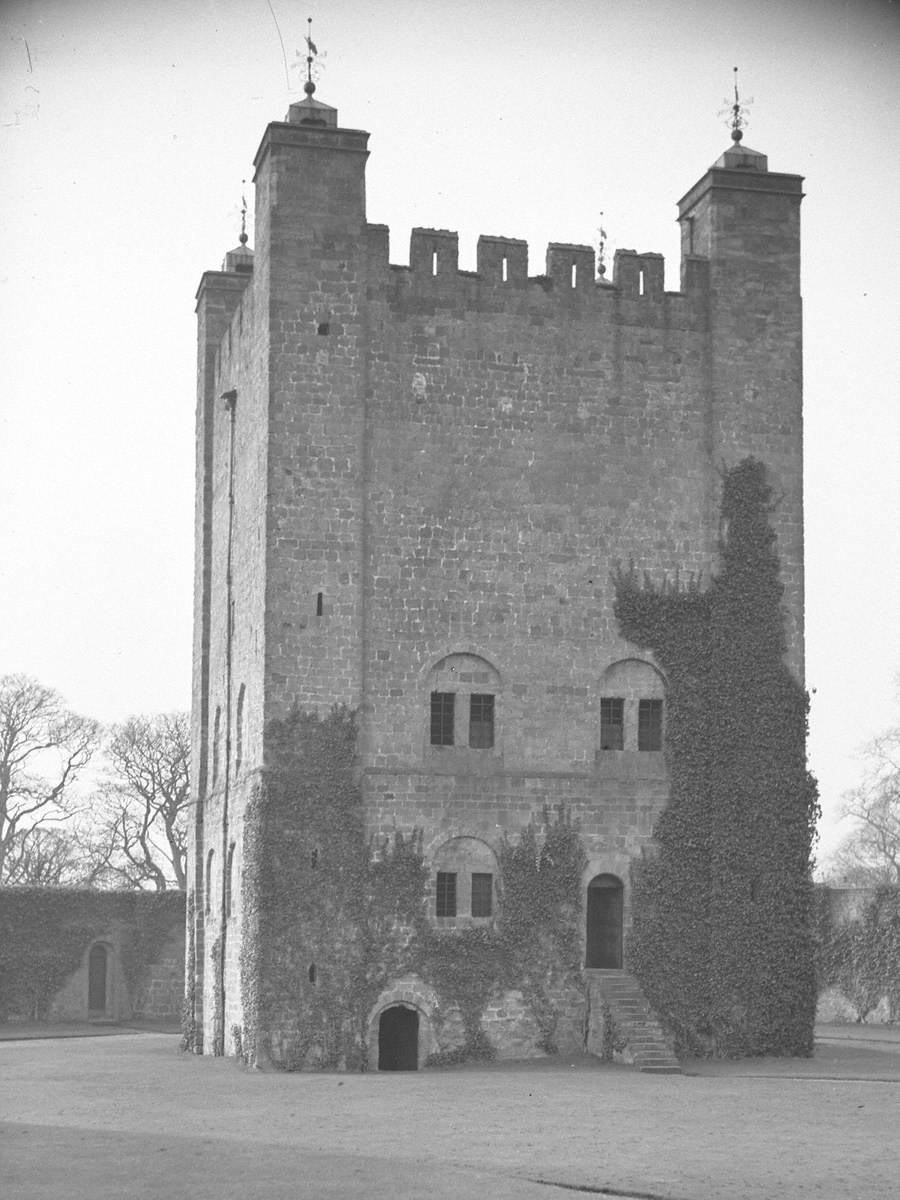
(144, 801)
(869, 855)
(43, 747)
(57, 857)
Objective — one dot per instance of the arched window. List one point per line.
(207, 898)
(229, 867)
(217, 722)
(632, 695)
(463, 695)
(465, 875)
(239, 730)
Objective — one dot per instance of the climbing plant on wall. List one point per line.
(327, 916)
(332, 917)
(45, 932)
(861, 956)
(722, 939)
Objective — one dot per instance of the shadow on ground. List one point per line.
(129, 1117)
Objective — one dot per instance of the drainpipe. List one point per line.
(230, 399)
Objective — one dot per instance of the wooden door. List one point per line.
(97, 979)
(398, 1039)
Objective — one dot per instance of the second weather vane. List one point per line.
(738, 112)
(312, 59)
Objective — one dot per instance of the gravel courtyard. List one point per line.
(128, 1116)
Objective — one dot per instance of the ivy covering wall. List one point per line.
(44, 933)
(331, 917)
(860, 954)
(722, 938)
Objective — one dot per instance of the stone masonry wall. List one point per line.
(428, 462)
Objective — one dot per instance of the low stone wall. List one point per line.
(159, 993)
(859, 955)
(76, 954)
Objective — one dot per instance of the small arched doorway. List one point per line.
(398, 1039)
(604, 923)
(97, 965)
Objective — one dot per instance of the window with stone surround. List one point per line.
(464, 871)
(481, 721)
(612, 723)
(443, 705)
(482, 894)
(650, 714)
(445, 894)
(632, 707)
(464, 690)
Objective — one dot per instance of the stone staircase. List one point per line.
(635, 1020)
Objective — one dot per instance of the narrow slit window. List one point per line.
(481, 722)
(320, 605)
(207, 899)
(650, 713)
(574, 274)
(445, 894)
(612, 723)
(442, 708)
(504, 268)
(434, 262)
(323, 329)
(313, 973)
(641, 282)
(482, 894)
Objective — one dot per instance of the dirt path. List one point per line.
(129, 1117)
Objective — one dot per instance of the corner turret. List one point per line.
(745, 221)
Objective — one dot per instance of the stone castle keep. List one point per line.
(413, 486)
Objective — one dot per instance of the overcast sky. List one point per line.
(128, 125)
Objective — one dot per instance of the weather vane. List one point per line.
(601, 250)
(312, 52)
(739, 112)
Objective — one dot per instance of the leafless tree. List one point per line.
(43, 747)
(54, 857)
(142, 805)
(869, 855)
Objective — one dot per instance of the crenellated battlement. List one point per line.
(502, 271)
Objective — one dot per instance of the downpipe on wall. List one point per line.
(230, 399)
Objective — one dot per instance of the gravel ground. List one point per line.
(127, 1116)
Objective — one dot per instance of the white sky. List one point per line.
(126, 127)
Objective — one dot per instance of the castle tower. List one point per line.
(744, 220)
(413, 485)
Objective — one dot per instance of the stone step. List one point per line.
(635, 1019)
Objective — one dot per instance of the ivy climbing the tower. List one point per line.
(722, 938)
(331, 917)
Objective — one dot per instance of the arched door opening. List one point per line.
(398, 1039)
(604, 923)
(97, 963)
